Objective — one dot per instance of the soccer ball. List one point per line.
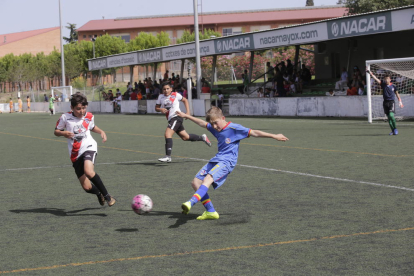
(141, 204)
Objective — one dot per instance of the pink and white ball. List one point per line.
(141, 204)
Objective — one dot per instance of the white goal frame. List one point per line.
(61, 88)
(368, 78)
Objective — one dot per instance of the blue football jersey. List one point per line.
(388, 91)
(228, 142)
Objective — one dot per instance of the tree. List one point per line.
(53, 66)
(147, 41)
(73, 60)
(309, 3)
(190, 37)
(363, 6)
(73, 35)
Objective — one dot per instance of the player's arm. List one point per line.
(399, 99)
(374, 77)
(66, 134)
(198, 121)
(187, 106)
(100, 132)
(259, 133)
(159, 109)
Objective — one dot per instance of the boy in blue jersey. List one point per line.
(222, 164)
(389, 93)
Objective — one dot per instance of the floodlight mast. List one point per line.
(62, 56)
(197, 48)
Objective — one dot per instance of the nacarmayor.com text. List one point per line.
(288, 37)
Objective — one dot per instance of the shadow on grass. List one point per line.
(127, 230)
(158, 164)
(356, 135)
(58, 212)
(180, 218)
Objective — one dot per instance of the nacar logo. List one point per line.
(149, 56)
(362, 25)
(96, 64)
(237, 43)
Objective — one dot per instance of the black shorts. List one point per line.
(389, 106)
(79, 164)
(176, 124)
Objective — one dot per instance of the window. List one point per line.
(125, 37)
(259, 28)
(227, 31)
(232, 31)
(84, 36)
(180, 33)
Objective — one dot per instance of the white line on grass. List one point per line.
(245, 166)
(321, 176)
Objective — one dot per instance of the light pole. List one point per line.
(197, 46)
(62, 56)
(93, 41)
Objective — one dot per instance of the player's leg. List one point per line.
(193, 137)
(87, 186)
(95, 179)
(168, 144)
(201, 188)
(392, 123)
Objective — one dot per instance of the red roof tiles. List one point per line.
(303, 14)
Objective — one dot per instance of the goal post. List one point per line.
(401, 71)
(65, 91)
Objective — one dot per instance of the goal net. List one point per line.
(401, 72)
(62, 93)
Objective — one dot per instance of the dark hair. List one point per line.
(387, 76)
(78, 99)
(167, 83)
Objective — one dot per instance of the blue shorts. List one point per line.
(219, 172)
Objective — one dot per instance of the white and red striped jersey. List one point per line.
(83, 140)
(170, 102)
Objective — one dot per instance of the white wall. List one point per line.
(338, 106)
(341, 106)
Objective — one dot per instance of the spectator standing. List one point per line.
(20, 103)
(220, 99)
(133, 95)
(289, 68)
(11, 105)
(28, 103)
(46, 100)
(110, 96)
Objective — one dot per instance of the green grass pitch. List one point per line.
(337, 199)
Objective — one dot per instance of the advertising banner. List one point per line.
(239, 43)
(360, 25)
(402, 20)
(149, 56)
(97, 64)
(187, 51)
(122, 60)
(291, 36)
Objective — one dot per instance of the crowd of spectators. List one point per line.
(285, 79)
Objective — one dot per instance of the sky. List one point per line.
(26, 15)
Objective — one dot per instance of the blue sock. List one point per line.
(207, 203)
(199, 194)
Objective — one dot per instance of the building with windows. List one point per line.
(226, 23)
